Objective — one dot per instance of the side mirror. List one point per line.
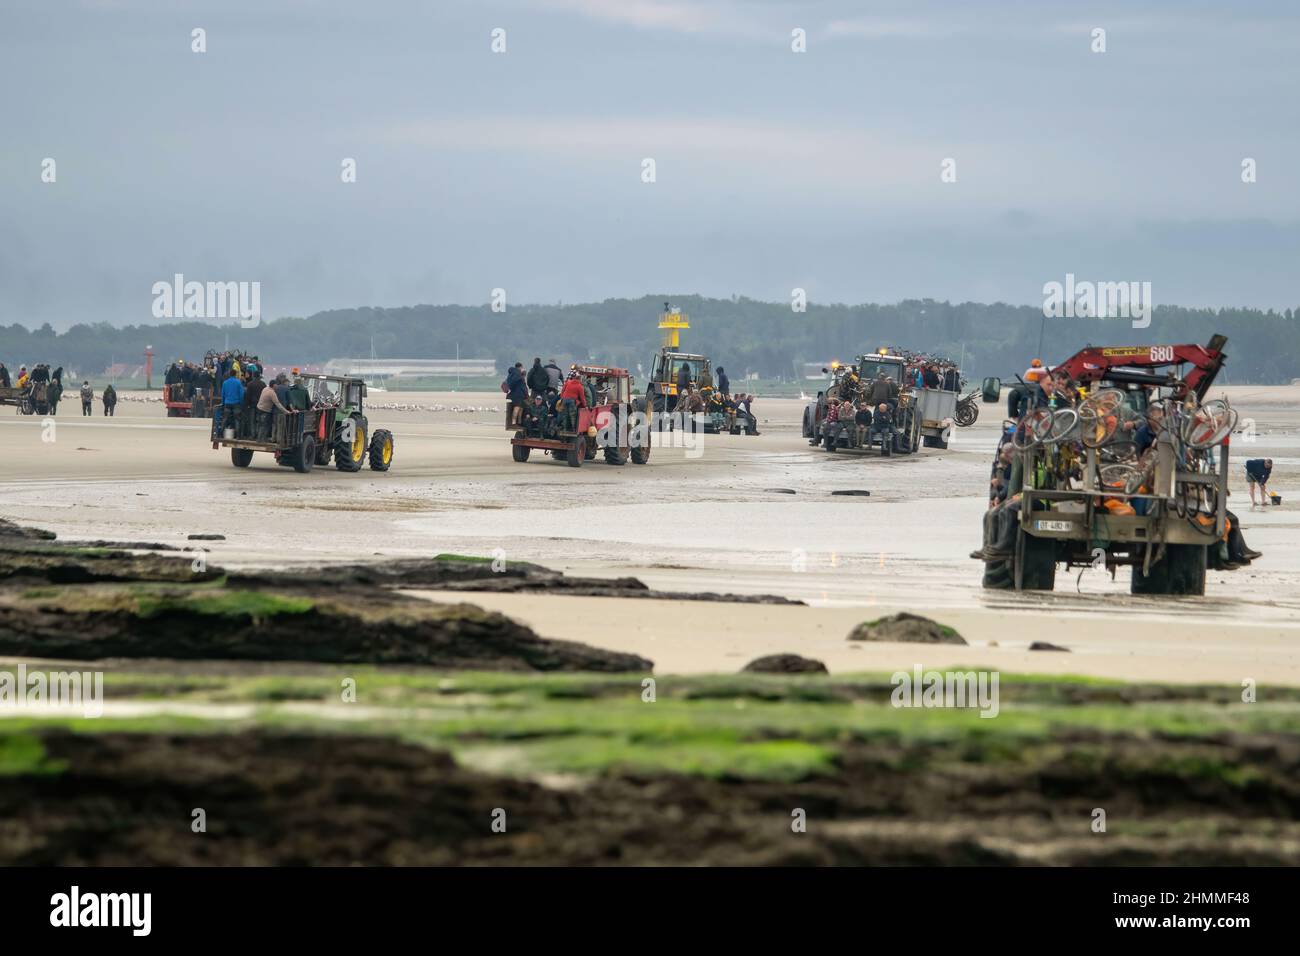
(825, 371)
(991, 390)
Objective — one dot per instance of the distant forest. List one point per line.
(744, 335)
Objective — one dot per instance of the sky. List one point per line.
(524, 170)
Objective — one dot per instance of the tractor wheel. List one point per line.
(381, 450)
(903, 437)
(519, 452)
(348, 456)
(1180, 571)
(240, 457)
(590, 454)
(640, 455)
(304, 456)
(172, 413)
(998, 575)
(575, 455)
(808, 415)
(614, 456)
(1035, 568)
(323, 453)
(199, 408)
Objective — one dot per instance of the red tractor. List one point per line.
(575, 434)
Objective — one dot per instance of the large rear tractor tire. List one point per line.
(1035, 563)
(381, 450)
(349, 456)
(640, 455)
(240, 457)
(304, 456)
(614, 455)
(1180, 572)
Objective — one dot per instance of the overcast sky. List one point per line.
(523, 170)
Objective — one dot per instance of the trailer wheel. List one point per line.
(640, 455)
(304, 456)
(519, 452)
(934, 441)
(381, 450)
(575, 455)
(240, 457)
(1035, 563)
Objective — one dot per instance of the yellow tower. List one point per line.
(672, 321)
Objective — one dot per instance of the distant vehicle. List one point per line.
(576, 442)
(29, 400)
(331, 423)
(666, 365)
(922, 416)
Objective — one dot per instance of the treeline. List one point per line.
(742, 334)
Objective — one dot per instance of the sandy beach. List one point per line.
(717, 518)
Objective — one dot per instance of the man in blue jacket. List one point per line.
(1257, 472)
(232, 397)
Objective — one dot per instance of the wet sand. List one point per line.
(712, 522)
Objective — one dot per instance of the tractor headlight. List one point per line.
(591, 431)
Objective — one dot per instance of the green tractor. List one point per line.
(326, 419)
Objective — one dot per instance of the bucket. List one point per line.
(1276, 499)
(229, 434)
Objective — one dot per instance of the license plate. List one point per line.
(1053, 525)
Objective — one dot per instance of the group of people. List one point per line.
(864, 422)
(249, 404)
(866, 410)
(186, 379)
(46, 389)
(700, 395)
(940, 374)
(549, 398)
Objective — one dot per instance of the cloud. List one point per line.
(698, 17)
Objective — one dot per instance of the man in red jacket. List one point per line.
(572, 397)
